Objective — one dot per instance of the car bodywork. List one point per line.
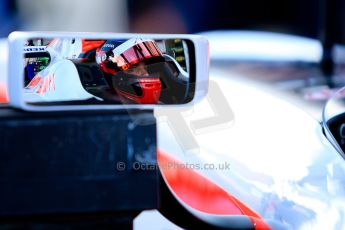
(283, 173)
(282, 166)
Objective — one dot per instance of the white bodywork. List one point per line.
(59, 81)
(3, 62)
(282, 166)
(65, 48)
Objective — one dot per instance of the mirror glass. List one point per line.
(65, 71)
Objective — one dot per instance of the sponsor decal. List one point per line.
(32, 49)
(112, 46)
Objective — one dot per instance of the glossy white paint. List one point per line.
(3, 61)
(281, 164)
(61, 82)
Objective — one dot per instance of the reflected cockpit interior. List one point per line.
(98, 71)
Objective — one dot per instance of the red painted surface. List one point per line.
(200, 193)
(3, 94)
(34, 82)
(88, 45)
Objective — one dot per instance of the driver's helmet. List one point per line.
(126, 65)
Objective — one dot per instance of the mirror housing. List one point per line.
(76, 71)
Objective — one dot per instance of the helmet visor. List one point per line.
(126, 58)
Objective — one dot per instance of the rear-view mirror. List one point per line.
(66, 71)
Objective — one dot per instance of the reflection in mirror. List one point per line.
(120, 71)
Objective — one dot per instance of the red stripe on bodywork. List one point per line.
(33, 83)
(200, 193)
(3, 94)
